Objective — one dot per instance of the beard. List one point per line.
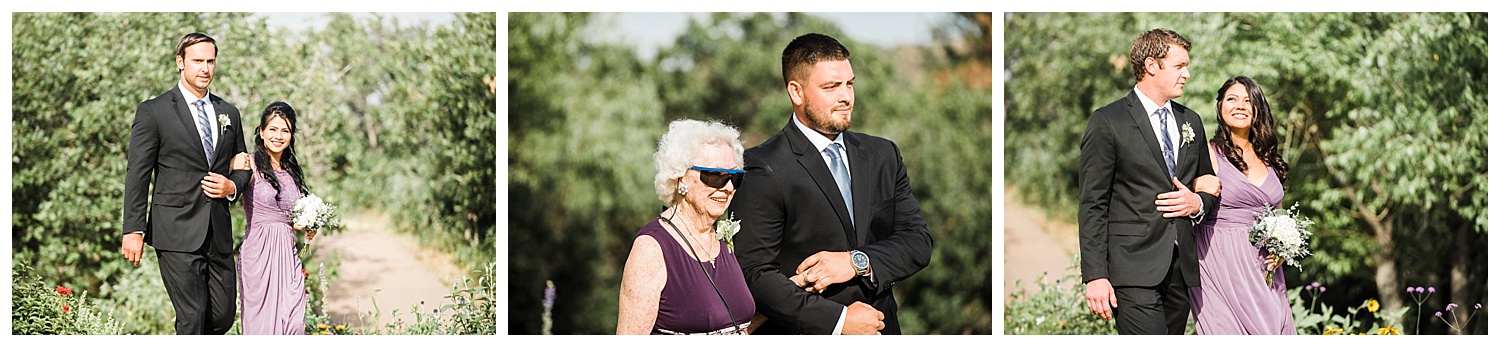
(825, 123)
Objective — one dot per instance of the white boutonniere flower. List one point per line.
(1187, 134)
(726, 228)
(223, 123)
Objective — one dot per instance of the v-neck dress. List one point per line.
(1234, 297)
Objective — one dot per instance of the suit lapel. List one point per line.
(859, 184)
(223, 137)
(180, 105)
(1182, 146)
(1143, 122)
(812, 161)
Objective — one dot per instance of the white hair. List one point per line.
(684, 142)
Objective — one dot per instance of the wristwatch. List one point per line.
(861, 262)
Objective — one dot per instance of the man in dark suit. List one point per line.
(829, 224)
(1135, 216)
(181, 145)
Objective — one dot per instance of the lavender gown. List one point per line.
(1234, 298)
(272, 295)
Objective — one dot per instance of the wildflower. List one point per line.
(1389, 330)
(322, 326)
(1408, 289)
(1419, 290)
(67, 308)
(1439, 314)
(341, 327)
(1322, 289)
(1373, 305)
(1431, 290)
(1333, 331)
(304, 273)
(550, 295)
(64, 291)
(1315, 284)
(1477, 306)
(1450, 306)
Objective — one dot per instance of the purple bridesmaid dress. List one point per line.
(1234, 298)
(272, 296)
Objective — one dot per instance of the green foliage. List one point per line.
(464, 311)
(585, 114)
(38, 307)
(1314, 319)
(1382, 117)
(138, 299)
(1057, 308)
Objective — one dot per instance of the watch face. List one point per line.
(861, 260)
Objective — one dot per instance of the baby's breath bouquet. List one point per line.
(313, 214)
(1284, 234)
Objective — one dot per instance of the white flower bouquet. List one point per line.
(313, 214)
(1285, 234)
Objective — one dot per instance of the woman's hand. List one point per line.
(304, 230)
(1207, 184)
(240, 162)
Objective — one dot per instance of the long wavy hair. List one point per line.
(1263, 138)
(288, 155)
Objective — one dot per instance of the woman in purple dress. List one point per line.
(272, 296)
(680, 277)
(1234, 297)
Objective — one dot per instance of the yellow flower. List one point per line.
(1333, 331)
(1389, 330)
(341, 327)
(322, 326)
(1373, 305)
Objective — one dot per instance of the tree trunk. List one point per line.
(1458, 277)
(1385, 265)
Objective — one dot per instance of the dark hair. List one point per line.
(288, 156)
(192, 39)
(1262, 135)
(808, 50)
(1154, 44)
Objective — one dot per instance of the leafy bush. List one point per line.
(38, 307)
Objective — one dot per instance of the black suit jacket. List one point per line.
(166, 161)
(1121, 170)
(791, 208)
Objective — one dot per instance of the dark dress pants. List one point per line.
(202, 287)
(1156, 310)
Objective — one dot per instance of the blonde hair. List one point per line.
(683, 142)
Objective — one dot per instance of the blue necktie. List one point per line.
(840, 175)
(1166, 140)
(207, 129)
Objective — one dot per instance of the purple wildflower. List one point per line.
(1421, 290)
(1408, 289)
(549, 296)
(1477, 306)
(1438, 314)
(1322, 289)
(1431, 290)
(1451, 306)
(1315, 284)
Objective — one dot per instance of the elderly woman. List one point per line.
(681, 276)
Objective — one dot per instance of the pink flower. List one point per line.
(64, 291)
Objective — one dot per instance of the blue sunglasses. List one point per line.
(716, 178)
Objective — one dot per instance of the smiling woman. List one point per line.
(667, 288)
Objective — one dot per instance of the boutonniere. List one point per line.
(726, 228)
(1187, 134)
(223, 123)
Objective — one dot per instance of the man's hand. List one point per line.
(1100, 296)
(131, 247)
(862, 319)
(1178, 203)
(217, 186)
(823, 269)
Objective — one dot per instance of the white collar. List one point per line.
(818, 140)
(1150, 105)
(187, 95)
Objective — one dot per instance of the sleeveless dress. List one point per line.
(1234, 297)
(272, 296)
(688, 302)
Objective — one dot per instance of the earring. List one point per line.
(682, 189)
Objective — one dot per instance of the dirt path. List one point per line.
(381, 264)
(1035, 245)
